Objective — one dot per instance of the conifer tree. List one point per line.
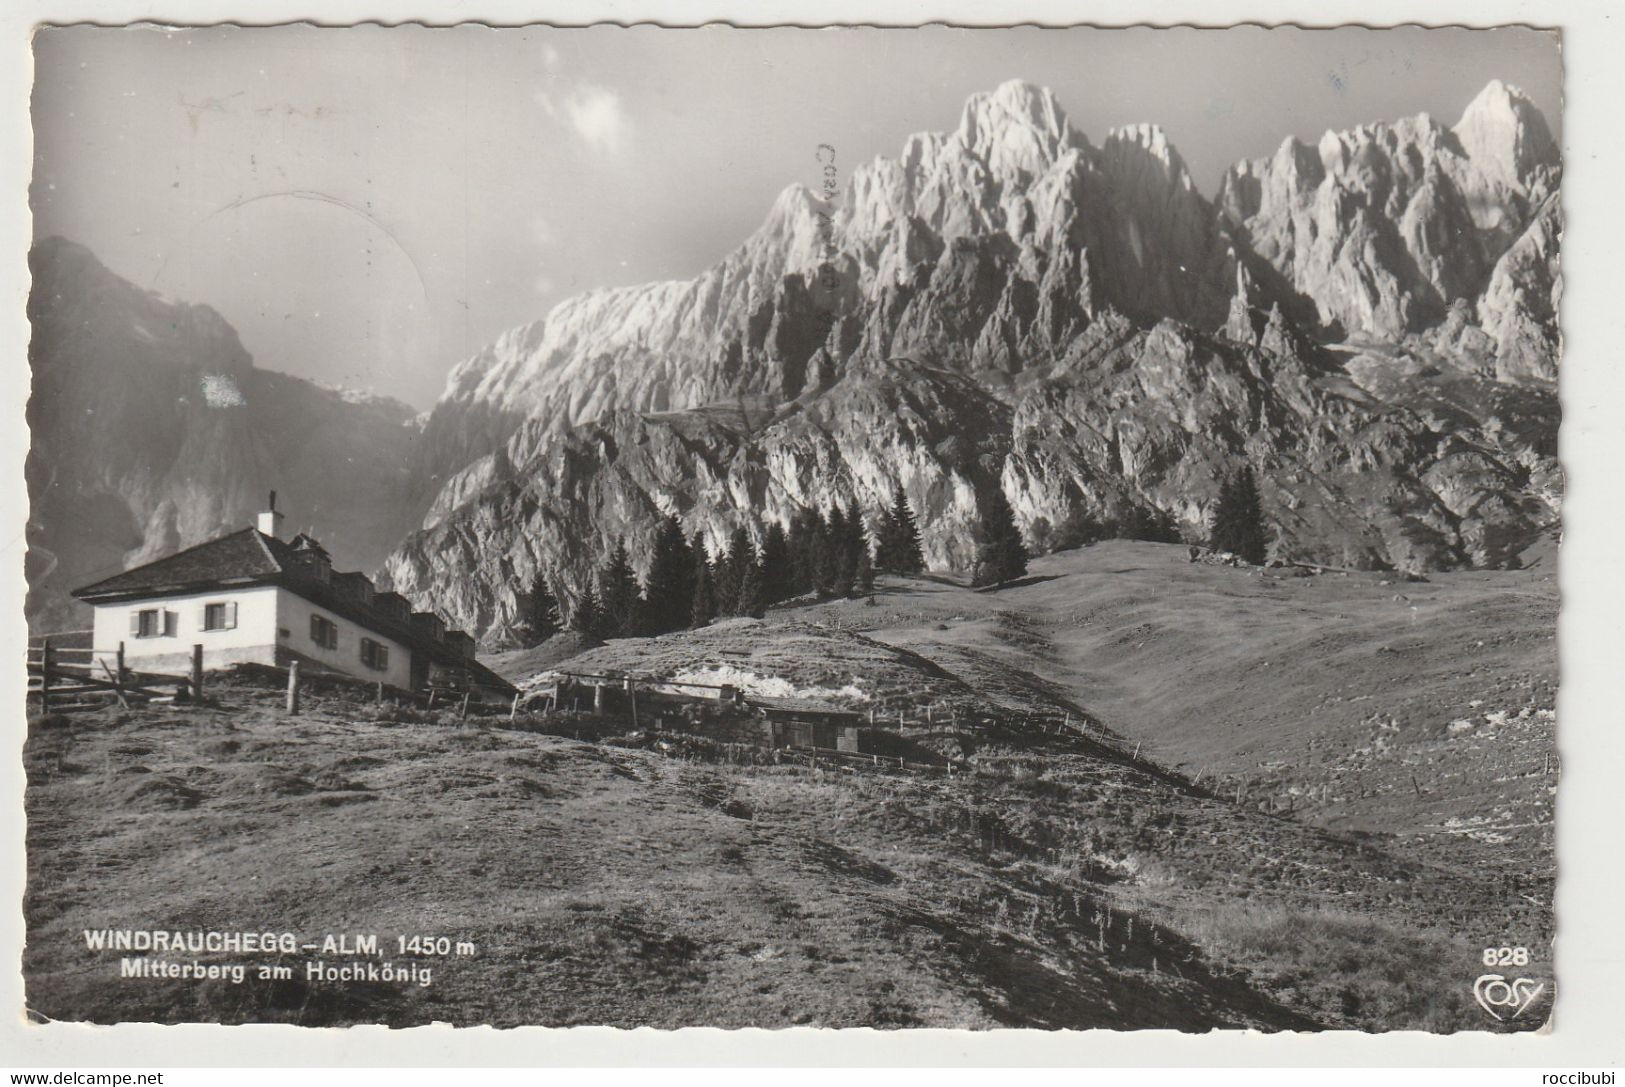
(842, 559)
(810, 559)
(806, 545)
(1238, 519)
(669, 588)
(821, 560)
(863, 581)
(1001, 554)
(749, 598)
(702, 606)
(900, 547)
(586, 618)
(543, 616)
(776, 573)
(724, 586)
(732, 573)
(618, 598)
(857, 532)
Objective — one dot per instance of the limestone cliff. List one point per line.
(1413, 472)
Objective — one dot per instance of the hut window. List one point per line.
(324, 632)
(220, 616)
(374, 655)
(152, 623)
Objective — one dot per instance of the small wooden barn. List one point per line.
(802, 722)
(721, 711)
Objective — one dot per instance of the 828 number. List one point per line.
(1506, 956)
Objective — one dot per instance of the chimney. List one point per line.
(270, 520)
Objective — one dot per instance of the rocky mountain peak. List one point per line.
(1149, 141)
(1016, 126)
(1382, 228)
(1505, 134)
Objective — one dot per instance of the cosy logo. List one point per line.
(1506, 999)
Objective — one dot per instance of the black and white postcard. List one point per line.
(851, 527)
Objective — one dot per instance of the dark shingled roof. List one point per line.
(351, 580)
(240, 555)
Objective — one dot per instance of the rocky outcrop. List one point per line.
(1519, 307)
(151, 430)
(1381, 228)
(1130, 423)
(914, 258)
(987, 247)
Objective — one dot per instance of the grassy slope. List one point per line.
(1051, 882)
(1290, 685)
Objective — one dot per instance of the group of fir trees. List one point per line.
(616, 604)
(822, 554)
(827, 554)
(830, 553)
(542, 616)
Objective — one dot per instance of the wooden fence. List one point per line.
(66, 672)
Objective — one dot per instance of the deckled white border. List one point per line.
(1590, 961)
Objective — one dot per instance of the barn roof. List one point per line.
(802, 706)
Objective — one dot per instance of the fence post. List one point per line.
(123, 672)
(197, 672)
(513, 710)
(44, 676)
(463, 712)
(118, 688)
(380, 696)
(293, 687)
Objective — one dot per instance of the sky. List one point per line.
(368, 206)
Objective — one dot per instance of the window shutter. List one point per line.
(382, 656)
(135, 623)
(171, 623)
(203, 617)
(316, 629)
(231, 615)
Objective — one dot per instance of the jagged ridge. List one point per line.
(1014, 253)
